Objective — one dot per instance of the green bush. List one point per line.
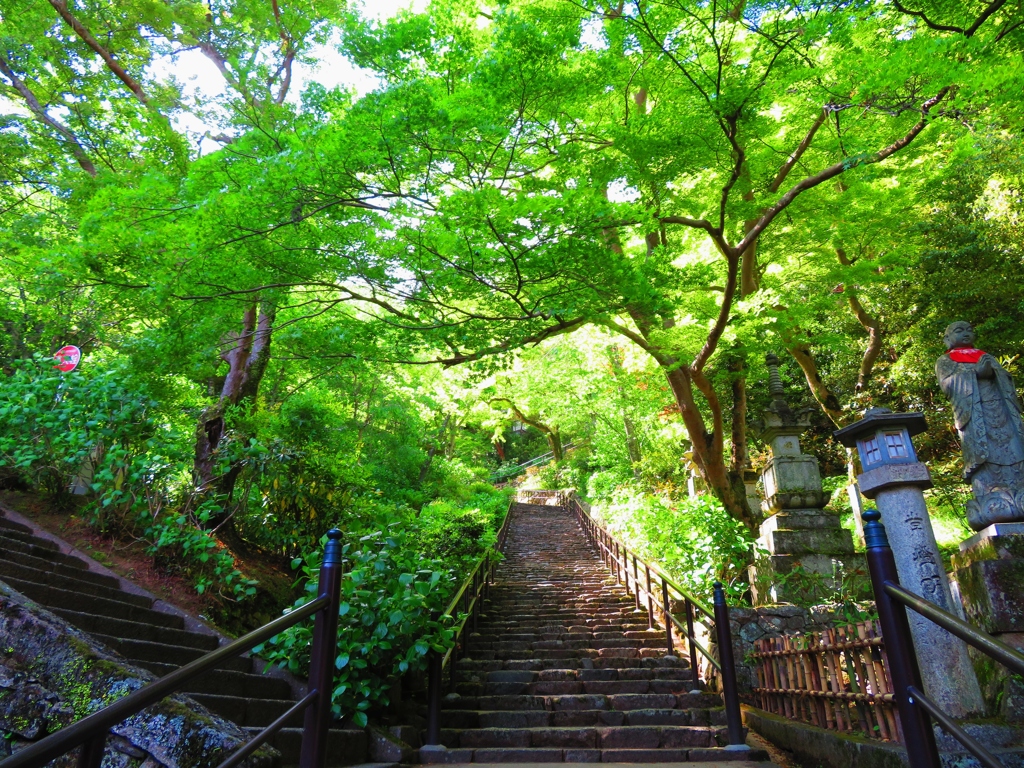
(389, 593)
(695, 540)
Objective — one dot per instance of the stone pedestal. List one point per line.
(989, 571)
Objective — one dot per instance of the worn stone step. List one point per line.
(227, 683)
(74, 574)
(10, 525)
(135, 630)
(612, 737)
(245, 711)
(53, 597)
(344, 746)
(47, 577)
(40, 550)
(26, 537)
(178, 655)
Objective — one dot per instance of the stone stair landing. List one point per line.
(564, 668)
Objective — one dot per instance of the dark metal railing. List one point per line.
(626, 566)
(916, 710)
(466, 604)
(91, 732)
(544, 458)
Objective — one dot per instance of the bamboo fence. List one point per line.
(836, 679)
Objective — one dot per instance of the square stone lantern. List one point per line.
(887, 456)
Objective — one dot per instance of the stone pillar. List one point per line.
(797, 532)
(896, 481)
(989, 571)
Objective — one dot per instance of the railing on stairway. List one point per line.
(914, 707)
(467, 602)
(91, 732)
(618, 559)
(544, 458)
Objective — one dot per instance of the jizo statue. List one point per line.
(987, 413)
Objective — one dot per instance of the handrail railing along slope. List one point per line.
(91, 732)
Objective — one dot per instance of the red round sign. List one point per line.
(67, 357)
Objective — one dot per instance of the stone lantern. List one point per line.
(896, 480)
(797, 532)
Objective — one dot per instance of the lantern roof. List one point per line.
(876, 419)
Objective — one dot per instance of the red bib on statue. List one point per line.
(966, 355)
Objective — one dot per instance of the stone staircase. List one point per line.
(158, 641)
(564, 669)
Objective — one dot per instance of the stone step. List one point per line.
(42, 549)
(26, 537)
(611, 737)
(584, 675)
(178, 655)
(525, 756)
(566, 702)
(227, 683)
(344, 746)
(10, 525)
(10, 571)
(73, 574)
(55, 598)
(245, 711)
(472, 718)
(135, 630)
(567, 687)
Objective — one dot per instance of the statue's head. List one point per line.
(959, 334)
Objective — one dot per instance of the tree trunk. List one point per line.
(707, 446)
(632, 444)
(247, 355)
(432, 450)
(550, 431)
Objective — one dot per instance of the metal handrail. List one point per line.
(952, 727)
(655, 568)
(616, 555)
(91, 732)
(513, 471)
(915, 709)
(1000, 651)
(468, 598)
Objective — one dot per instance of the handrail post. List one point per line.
(636, 586)
(668, 616)
(733, 719)
(91, 755)
(692, 643)
(650, 598)
(918, 735)
(433, 698)
(322, 657)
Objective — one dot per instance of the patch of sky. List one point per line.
(592, 34)
(620, 191)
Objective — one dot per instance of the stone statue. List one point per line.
(987, 413)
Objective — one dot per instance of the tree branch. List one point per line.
(835, 170)
(61, 7)
(874, 348)
(74, 145)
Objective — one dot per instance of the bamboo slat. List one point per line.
(835, 679)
